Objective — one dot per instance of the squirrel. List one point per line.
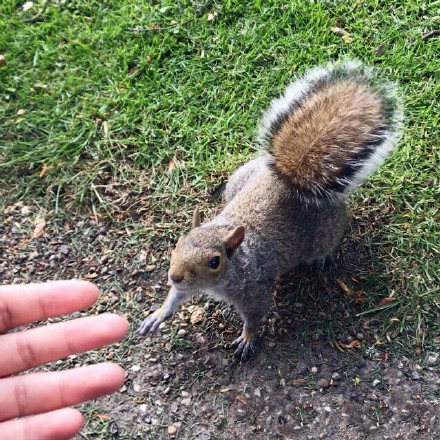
(321, 139)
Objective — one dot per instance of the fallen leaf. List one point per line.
(172, 163)
(196, 316)
(241, 399)
(40, 224)
(385, 301)
(91, 276)
(344, 287)
(28, 5)
(21, 111)
(298, 382)
(339, 31)
(342, 33)
(103, 416)
(225, 390)
(353, 344)
(44, 170)
(150, 267)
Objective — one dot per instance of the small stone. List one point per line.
(172, 430)
(21, 111)
(181, 332)
(314, 370)
(415, 375)
(432, 358)
(186, 402)
(322, 383)
(336, 376)
(143, 408)
(104, 270)
(376, 382)
(137, 388)
(25, 211)
(64, 249)
(135, 368)
(327, 409)
(359, 336)
(185, 394)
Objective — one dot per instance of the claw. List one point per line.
(245, 347)
(151, 324)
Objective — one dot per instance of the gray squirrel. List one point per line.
(321, 139)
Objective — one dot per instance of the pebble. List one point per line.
(186, 402)
(432, 358)
(376, 382)
(185, 394)
(64, 249)
(172, 430)
(336, 376)
(327, 409)
(415, 375)
(314, 370)
(323, 383)
(181, 332)
(359, 336)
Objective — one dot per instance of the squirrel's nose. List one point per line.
(176, 277)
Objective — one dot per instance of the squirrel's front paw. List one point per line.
(151, 323)
(245, 344)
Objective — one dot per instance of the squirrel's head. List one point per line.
(201, 258)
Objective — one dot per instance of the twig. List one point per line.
(431, 34)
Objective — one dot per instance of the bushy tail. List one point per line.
(331, 129)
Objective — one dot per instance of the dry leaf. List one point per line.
(40, 224)
(91, 276)
(103, 416)
(342, 33)
(339, 31)
(386, 301)
(241, 399)
(225, 390)
(172, 163)
(344, 286)
(196, 316)
(298, 382)
(150, 267)
(353, 344)
(44, 170)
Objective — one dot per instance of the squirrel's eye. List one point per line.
(214, 262)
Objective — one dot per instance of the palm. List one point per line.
(45, 393)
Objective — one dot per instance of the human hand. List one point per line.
(50, 394)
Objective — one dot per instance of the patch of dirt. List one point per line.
(321, 372)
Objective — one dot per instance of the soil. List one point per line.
(320, 372)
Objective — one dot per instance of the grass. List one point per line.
(106, 104)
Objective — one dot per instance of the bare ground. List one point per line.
(305, 382)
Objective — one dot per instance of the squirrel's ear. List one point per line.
(196, 218)
(233, 240)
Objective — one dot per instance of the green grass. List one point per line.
(113, 91)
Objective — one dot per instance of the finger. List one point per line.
(24, 303)
(30, 348)
(41, 392)
(62, 424)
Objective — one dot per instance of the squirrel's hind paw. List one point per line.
(245, 347)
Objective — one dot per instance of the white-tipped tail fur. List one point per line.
(332, 128)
